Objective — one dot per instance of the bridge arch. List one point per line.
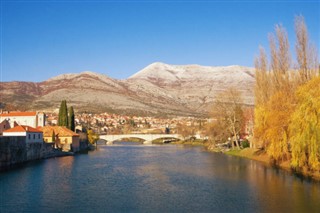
(102, 141)
(131, 139)
(148, 138)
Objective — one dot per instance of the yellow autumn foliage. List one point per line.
(277, 118)
(305, 127)
(260, 125)
(92, 136)
(287, 102)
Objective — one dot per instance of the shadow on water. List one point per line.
(295, 173)
(24, 165)
(34, 163)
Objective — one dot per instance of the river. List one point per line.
(159, 178)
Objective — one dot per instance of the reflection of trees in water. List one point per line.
(287, 191)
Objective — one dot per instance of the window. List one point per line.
(29, 136)
(38, 136)
(34, 136)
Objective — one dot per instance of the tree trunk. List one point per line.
(234, 130)
(235, 135)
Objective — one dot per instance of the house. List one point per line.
(32, 119)
(4, 125)
(32, 135)
(64, 138)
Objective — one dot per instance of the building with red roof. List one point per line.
(33, 119)
(63, 138)
(32, 135)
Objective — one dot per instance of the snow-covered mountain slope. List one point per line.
(196, 86)
(172, 73)
(158, 88)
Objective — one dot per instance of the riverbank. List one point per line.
(253, 154)
(259, 155)
(191, 142)
(14, 151)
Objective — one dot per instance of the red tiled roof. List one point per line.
(58, 130)
(12, 114)
(23, 128)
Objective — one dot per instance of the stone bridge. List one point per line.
(148, 138)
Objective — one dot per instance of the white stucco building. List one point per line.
(32, 135)
(32, 119)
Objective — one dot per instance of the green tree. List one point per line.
(63, 114)
(53, 136)
(71, 125)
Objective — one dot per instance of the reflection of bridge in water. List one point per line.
(148, 138)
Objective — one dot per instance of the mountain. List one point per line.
(196, 86)
(157, 89)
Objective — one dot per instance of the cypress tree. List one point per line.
(63, 114)
(53, 137)
(71, 125)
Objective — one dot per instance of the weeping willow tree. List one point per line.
(279, 109)
(277, 120)
(305, 127)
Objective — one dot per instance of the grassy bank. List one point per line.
(258, 155)
(196, 142)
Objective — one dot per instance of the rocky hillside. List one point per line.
(157, 89)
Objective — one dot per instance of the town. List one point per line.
(105, 123)
(38, 135)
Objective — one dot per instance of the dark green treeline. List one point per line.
(66, 117)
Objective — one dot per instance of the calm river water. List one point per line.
(167, 178)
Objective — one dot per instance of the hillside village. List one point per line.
(26, 123)
(105, 123)
(32, 126)
(26, 136)
(33, 135)
(22, 123)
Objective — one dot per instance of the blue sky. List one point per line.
(42, 39)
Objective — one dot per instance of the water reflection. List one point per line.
(165, 178)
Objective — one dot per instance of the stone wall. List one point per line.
(14, 150)
(83, 142)
(37, 151)
(83, 146)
